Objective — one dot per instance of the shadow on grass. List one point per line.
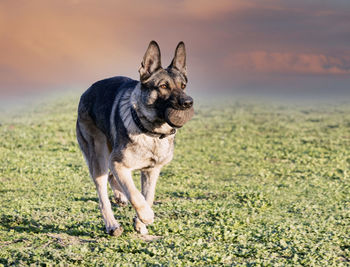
(86, 199)
(197, 195)
(25, 225)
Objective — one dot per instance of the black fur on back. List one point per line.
(99, 98)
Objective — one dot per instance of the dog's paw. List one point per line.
(140, 227)
(145, 214)
(116, 231)
(120, 199)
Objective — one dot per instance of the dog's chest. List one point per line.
(148, 152)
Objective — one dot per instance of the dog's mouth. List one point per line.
(178, 117)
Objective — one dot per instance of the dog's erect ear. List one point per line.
(179, 61)
(151, 61)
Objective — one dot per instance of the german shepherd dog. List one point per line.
(125, 125)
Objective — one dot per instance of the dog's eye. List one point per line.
(183, 86)
(163, 86)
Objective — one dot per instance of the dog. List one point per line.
(125, 125)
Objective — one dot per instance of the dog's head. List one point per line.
(164, 89)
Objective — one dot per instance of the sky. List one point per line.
(271, 47)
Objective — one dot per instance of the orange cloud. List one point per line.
(45, 43)
(206, 9)
(297, 63)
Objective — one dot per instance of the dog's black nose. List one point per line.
(186, 102)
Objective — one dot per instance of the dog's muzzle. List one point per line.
(177, 117)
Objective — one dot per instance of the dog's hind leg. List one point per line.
(148, 187)
(93, 143)
(119, 196)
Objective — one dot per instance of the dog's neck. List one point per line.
(147, 116)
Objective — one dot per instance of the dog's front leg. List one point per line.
(137, 200)
(149, 179)
(119, 196)
(148, 187)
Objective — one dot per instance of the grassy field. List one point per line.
(250, 184)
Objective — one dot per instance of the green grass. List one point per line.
(250, 184)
